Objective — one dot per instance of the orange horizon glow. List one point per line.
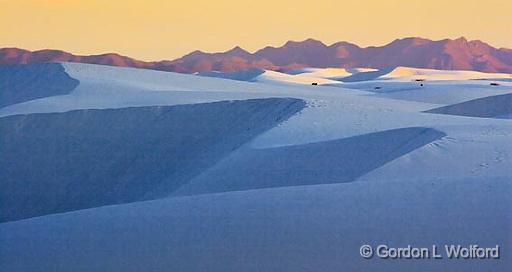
(156, 30)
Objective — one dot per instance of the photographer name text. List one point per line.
(433, 252)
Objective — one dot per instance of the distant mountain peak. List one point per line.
(307, 42)
(237, 51)
(461, 39)
(410, 41)
(195, 53)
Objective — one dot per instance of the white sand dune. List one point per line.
(420, 74)
(334, 75)
(407, 73)
(330, 73)
(434, 92)
(498, 106)
(88, 158)
(302, 228)
(307, 79)
(265, 76)
(266, 172)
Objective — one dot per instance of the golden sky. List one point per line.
(154, 30)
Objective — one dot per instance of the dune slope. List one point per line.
(334, 161)
(46, 79)
(58, 162)
(490, 106)
(304, 228)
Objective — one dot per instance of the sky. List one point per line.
(157, 30)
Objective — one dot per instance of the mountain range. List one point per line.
(447, 54)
